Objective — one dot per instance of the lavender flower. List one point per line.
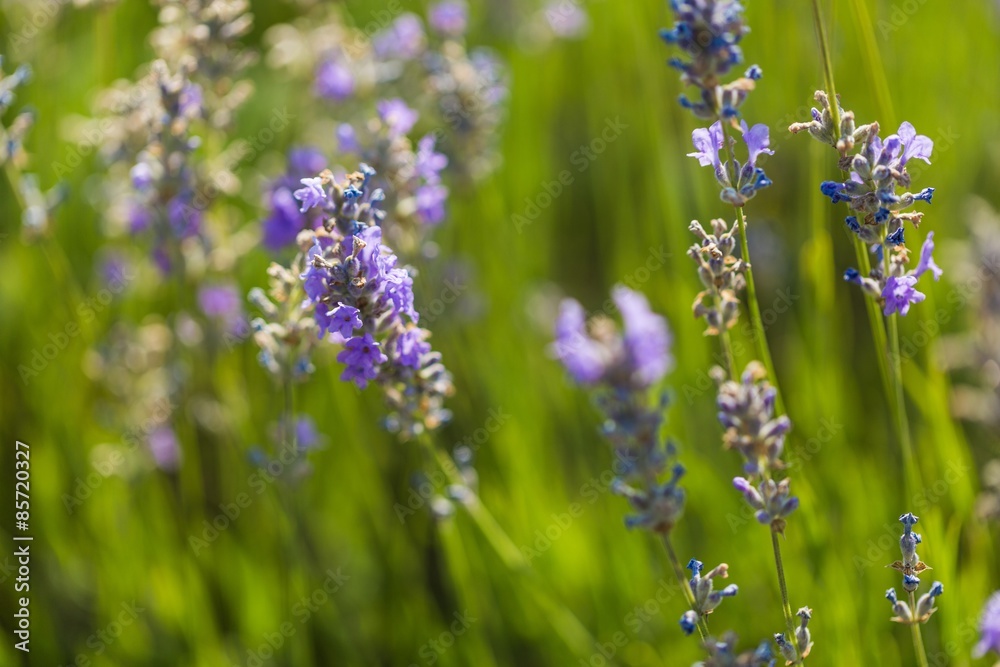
(286, 332)
(11, 137)
(720, 273)
(566, 19)
(222, 303)
(334, 80)
(206, 34)
(165, 203)
(636, 360)
(897, 290)
(285, 219)
(989, 628)
(803, 638)
(620, 368)
(877, 192)
(397, 116)
(416, 198)
(739, 182)
(722, 653)
(352, 276)
(164, 448)
(706, 598)
(911, 566)
(404, 39)
(709, 33)
(449, 17)
(771, 500)
(746, 411)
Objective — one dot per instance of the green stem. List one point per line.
(902, 422)
(727, 350)
(289, 425)
(759, 335)
(569, 628)
(786, 608)
(824, 47)
(918, 640)
(685, 587)
(875, 320)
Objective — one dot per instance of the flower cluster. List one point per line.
(460, 92)
(37, 204)
(709, 33)
(208, 33)
(877, 193)
(738, 182)
(720, 273)
(363, 298)
(620, 367)
(891, 283)
(803, 639)
(12, 136)
(286, 331)
(911, 566)
(772, 501)
(411, 177)
(285, 219)
(706, 598)
(722, 653)
(164, 182)
(746, 411)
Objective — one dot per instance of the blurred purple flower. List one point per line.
(449, 17)
(989, 628)
(334, 81)
(164, 448)
(647, 338)
(347, 139)
(404, 39)
(583, 357)
(397, 116)
(430, 203)
(566, 19)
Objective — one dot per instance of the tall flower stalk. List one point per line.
(880, 213)
(709, 32)
(620, 369)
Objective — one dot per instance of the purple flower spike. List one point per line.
(926, 262)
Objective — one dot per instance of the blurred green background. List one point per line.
(403, 584)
